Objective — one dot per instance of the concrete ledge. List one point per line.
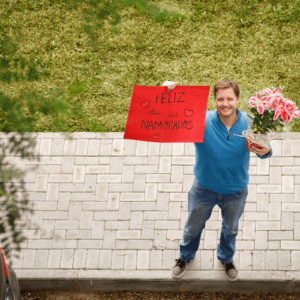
(103, 280)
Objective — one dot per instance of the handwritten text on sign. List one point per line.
(156, 115)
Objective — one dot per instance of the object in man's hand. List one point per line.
(250, 145)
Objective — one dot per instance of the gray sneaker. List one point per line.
(179, 268)
(231, 271)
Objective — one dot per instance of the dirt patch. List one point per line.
(135, 295)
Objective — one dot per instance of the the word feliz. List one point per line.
(162, 98)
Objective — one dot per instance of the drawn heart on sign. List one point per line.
(156, 136)
(145, 103)
(188, 112)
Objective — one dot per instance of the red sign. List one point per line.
(156, 115)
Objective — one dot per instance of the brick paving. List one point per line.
(119, 206)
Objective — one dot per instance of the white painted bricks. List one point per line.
(102, 202)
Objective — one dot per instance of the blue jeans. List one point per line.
(200, 205)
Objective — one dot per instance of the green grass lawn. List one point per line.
(256, 43)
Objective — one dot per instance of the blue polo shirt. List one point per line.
(222, 160)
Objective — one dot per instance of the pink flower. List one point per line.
(279, 107)
(259, 102)
(269, 92)
(274, 100)
(289, 111)
(272, 96)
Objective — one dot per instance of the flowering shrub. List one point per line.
(270, 108)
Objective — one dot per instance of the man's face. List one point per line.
(226, 102)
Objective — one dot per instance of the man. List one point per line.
(221, 178)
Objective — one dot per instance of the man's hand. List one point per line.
(170, 85)
(263, 151)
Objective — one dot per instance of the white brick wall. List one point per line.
(104, 202)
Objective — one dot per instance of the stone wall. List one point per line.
(104, 202)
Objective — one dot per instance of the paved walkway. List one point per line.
(109, 210)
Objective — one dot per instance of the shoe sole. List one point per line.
(178, 276)
(232, 279)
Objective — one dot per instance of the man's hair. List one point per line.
(225, 84)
